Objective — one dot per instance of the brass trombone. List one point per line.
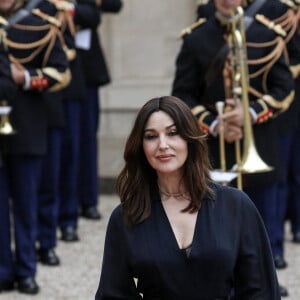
(250, 161)
(5, 126)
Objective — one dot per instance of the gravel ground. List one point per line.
(77, 277)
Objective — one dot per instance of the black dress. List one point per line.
(230, 250)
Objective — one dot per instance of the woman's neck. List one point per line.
(171, 187)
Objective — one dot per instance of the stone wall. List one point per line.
(141, 44)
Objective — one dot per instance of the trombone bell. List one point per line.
(252, 163)
(6, 128)
(5, 125)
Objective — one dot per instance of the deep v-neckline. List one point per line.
(172, 233)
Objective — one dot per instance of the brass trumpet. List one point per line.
(5, 126)
(250, 161)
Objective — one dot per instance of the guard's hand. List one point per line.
(232, 132)
(235, 115)
(17, 74)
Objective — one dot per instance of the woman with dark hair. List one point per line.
(176, 234)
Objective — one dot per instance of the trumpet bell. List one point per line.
(252, 163)
(5, 126)
(6, 129)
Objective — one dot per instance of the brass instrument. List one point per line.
(5, 126)
(220, 110)
(249, 161)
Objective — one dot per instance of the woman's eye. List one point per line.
(173, 132)
(149, 137)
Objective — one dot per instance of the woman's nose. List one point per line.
(163, 144)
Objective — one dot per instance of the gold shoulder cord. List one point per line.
(63, 15)
(189, 29)
(46, 17)
(267, 61)
(288, 22)
(65, 20)
(202, 2)
(288, 3)
(270, 24)
(39, 45)
(3, 38)
(3, 21)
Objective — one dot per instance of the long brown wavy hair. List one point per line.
(138, 180)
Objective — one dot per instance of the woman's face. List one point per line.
(165, 150)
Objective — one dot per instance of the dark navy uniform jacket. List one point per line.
(33, 44)
(7, 86)
(95, 70)
(85, 11)
(230, 249)
(276, 87)
(276, 10)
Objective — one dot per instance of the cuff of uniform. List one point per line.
(212, 128)
(26, 85)
(72, 9)
(262, 111)
(253, 115)
(205, 121)
(38, 83)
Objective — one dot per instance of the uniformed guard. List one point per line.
(205, 75)
(73, 97)
(96, 74)
(284, 13)
(7, 95)
(49, 190)
(289, 127)
(61, 193)
(38, 63)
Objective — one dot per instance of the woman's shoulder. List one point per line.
(116, 212)
(116, 216)
(217, 189)
(230, 195)
(233, 203)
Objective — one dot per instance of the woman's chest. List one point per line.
(154, 248)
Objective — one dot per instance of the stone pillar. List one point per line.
(141, 46)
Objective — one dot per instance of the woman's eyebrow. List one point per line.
(167, 127)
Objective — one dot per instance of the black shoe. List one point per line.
(91, 213)
(69, 234)
(280, 263)
(27, 285)
(296, 238)
(283, 291)
(6, 285)
(48, 257)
